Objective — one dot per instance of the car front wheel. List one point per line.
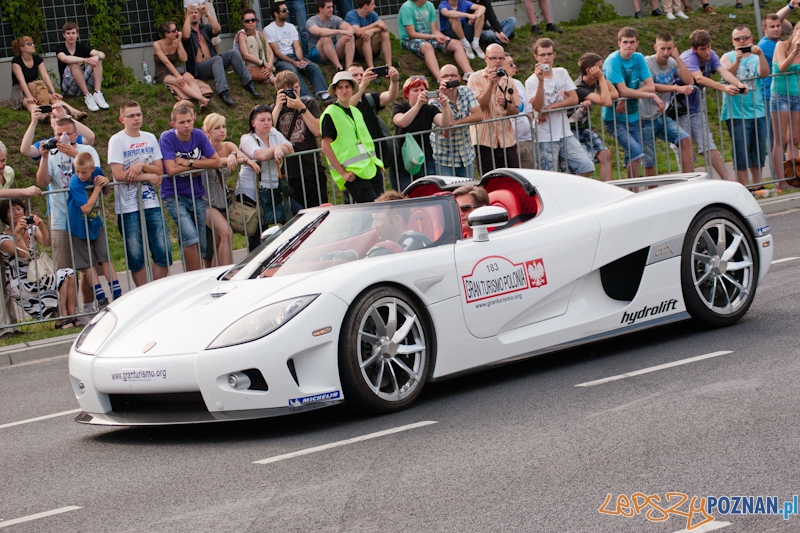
(719, 268)
(384, 351)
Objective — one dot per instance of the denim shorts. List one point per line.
(749, 138)
(415, 45)
(592, 143)
(663, 128)
(568, 150)
(784, 102)
(629, 137)
(130, 227)
(191, 220)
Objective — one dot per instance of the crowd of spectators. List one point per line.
(460, 128)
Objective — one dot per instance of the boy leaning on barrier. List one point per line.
(88, 235)
(452, 149)
(593, 88)
(135, 156)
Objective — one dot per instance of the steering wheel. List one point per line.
(384, 248)
(414, 240)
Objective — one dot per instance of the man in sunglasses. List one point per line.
(469, 197)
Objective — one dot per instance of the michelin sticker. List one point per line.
(324, 397)
(497, 280)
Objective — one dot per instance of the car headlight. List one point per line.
(96, 333)
(261, 322)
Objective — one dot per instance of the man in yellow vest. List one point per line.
(347, 144)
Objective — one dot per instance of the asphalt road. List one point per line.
(518, 448)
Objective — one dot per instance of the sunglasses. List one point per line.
(466, 208)
(29, 43)
(283, 11)
(250, 20)
(173, 30)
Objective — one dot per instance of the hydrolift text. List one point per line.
(667, 305)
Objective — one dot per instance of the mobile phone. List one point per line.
(746, 49)
(432, 94)
(742, 90)
(545, 67)
(452, 84)
(381, 72)
(45, 108)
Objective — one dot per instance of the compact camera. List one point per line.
(29, 220)
(452, 84)
(545, 67)
(381, 72)
(432, 94)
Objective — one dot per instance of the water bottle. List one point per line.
(64, 138)
(148, 79)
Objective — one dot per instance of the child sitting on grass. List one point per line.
(83, 218)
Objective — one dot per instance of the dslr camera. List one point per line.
(289, 92)
(50, 144)
(29, 220)
(501, 72)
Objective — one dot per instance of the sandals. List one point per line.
(64, 324)
(77, 322)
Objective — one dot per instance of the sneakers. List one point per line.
(468, 51)
(681, 15)
(708, 9)
(670, 16)
(478, 52)
(657, 12)
(466, 76)
(535, 29)
(99, 100)
(326, 97)
(639, 15)
(102, 303)
(90, 103)
(553, 28)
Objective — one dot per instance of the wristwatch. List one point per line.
(303, 110)
(191, 162)
(260, 62)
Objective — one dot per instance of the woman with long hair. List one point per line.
(267, 146)
(30, 83)
(253, 47)
(216, 216)
(784, 103)
(167, 52)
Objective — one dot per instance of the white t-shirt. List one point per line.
(128, 151)
(555, 90)
(60, 169)
(284, 35)
(522, 124)
(269, 170)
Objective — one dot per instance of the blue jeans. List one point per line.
(298, 17)
(190, 219)
(400, 178)
(663, 128)
(343, 7)
(314, 74)
(749, 145)
(568, 150)
(629, 137)
(460, 172)
(130, 227)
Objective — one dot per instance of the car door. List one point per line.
(524, 274)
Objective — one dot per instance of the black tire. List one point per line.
(391, 380)
(718, 275)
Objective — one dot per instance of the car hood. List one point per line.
(183, 314)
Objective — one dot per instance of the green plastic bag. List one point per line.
(413, 155)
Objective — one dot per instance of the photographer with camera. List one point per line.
(297, 118)
(548, 89)
(452, 149)
(494, 89)
(744, 113)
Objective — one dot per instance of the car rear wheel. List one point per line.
(719, 268)
(383, 351)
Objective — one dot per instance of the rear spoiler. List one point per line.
(655, 181)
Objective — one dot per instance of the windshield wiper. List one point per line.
(282, 252)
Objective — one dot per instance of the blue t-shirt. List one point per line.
(197, 147)
(768, 47)
(353, 19)
(632, 73)
(463, 6)
(750, 105)
(78, 197)
(78, 140)
(692, 62)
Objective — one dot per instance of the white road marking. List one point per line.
(45, 417)
(36, 516)
(784, 260)
(711, 526)
(652, 369)
(344, 442)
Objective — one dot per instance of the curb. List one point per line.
(31, 351)
(773, 206)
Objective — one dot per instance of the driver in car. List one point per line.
(469, 197)
(391, 224)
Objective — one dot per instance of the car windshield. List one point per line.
(325, 237)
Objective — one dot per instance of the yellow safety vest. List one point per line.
(353, 145)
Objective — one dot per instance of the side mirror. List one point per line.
(269, 232)
(483, 218)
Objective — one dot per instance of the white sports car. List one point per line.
(336, 307)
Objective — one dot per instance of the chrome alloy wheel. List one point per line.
(722, 266)
(391, 349)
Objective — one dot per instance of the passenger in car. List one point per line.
(469, 197)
